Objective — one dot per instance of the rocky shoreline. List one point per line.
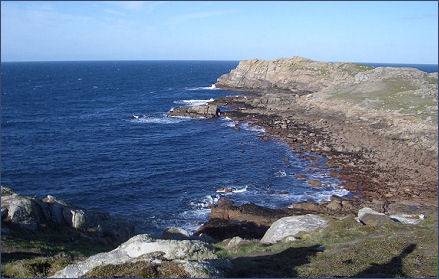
(384, 153)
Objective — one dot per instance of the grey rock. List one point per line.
(206, 111)
(141, 247)
(407, 219)
(31, 213)
(22, 211)
(375, 220)
(368, 216)
(6, 191)
(175, 233)
(292, 226)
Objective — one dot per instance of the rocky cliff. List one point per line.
(345, 87)
(377, 125)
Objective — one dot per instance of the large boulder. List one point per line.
(22, 211)
(407, 219)
(368, 216)
(290, 227)
(192, 255)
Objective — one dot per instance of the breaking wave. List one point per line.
(193, 102)
(163, 119)
(252, 128)
(211, 87)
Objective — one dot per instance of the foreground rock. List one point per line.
(250, 221)
(34, 214)
(193, 258)
(205, 111)
(368, 216)
(289, 227)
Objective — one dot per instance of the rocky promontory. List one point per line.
(377, 126)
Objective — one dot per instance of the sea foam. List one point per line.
(211, 87)
(163, 119)
(193, 102)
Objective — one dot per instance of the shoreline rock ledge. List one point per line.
(200, 111)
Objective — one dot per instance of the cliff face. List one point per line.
(406, 98)
(295, 74)
(301, 75)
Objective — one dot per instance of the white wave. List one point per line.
(318, 197)
(242, 190)
(226, 118)
(229, 190)
(211, 87)
(253, 128)
(231, 124)
(193, 219)
(206, 202)
(280, 173)
(164, 119)
(193, 102)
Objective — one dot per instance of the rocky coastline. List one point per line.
(377, 126)
(378, 129)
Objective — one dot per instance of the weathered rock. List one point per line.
(75, 218)
(368, 216)
(234, 242)
(6, 191)
(207, 111)
(22, 211)
(292, 226)
(31, 213)
(337, 204)
(407, 218)
(142, 247)
(175, 233)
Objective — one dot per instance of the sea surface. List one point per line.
(96, 135)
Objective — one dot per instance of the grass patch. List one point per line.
(139, 269)
(349, 249)
(41, 254)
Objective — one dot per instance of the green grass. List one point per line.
(27, 254)
(139, 269)
(350, 249)
(390, 95)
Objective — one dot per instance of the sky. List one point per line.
(380, 32)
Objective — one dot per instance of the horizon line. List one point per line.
(205, 60)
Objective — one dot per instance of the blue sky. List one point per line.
(399, 32)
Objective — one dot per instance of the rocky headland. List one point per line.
(377, 126)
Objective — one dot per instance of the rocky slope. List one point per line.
(28, 213)
(378, 126)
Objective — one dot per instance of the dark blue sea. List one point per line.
(68, 130)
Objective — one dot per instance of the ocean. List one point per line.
(96, 135)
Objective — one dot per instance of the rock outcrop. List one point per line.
(378, 126)
(368, 216)
(205, 111)
(290, 227)
(195, 257)
(36, 214)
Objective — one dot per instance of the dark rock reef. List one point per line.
(204, 111)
